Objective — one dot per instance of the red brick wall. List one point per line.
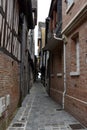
(76, 93)
(77, 85)
(77, 109)
(9, 84)
(56, 83)
(66, 17)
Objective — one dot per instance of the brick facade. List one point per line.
(68, 15)
(9, 61)
(56, 75)
(68, 63)
(9, 84)
(54, 44)
(76, 85)
(16, 77)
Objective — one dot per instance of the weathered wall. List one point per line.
(67, 16)
(76, 92)
(77, 85)
(9, 57)
(9, 84)
(56, 75)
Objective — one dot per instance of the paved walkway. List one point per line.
(40, 112)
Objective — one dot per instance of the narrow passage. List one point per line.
(40, 112)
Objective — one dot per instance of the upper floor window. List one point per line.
(69, 2)
(75, 54)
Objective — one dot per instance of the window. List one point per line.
(59, 60)
(86, 58)
(75, 63)
(69, 2)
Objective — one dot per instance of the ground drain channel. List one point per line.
(17, 126)
(56, 127)
(76, 126)
(59, 109)
(49, 128)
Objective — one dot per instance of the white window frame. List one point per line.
(77, 73)
(69, 5)
(69, 2)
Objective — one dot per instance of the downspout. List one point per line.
(21, 69)
(64, 49)
(55, 37)
(22, 64)
(63, 101)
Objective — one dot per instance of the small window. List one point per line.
(69, 2)
(75, 63)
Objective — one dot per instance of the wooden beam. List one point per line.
(5, 24)
(9, 54)
(12, 24)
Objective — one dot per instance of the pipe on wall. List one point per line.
(64, 92)
(64, 50)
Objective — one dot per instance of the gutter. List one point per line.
(55, 37)
(53, 42)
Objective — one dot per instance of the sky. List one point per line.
(43, 11)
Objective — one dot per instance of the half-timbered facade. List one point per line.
(16, 18)
(28, 20)
(9, 60)
(9, 21)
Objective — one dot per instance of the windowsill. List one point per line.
(59, 74)
(69, 8)
(74, 73)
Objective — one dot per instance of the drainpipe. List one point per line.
(64, 48)
(63, 101)
(21, 69)
(55, 37)
(22, 65)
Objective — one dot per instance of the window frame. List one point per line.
(69, 6)
(77, 72)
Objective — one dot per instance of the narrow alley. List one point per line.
(40, 112)
(43, 64)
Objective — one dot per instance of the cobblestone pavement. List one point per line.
(40, 112)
